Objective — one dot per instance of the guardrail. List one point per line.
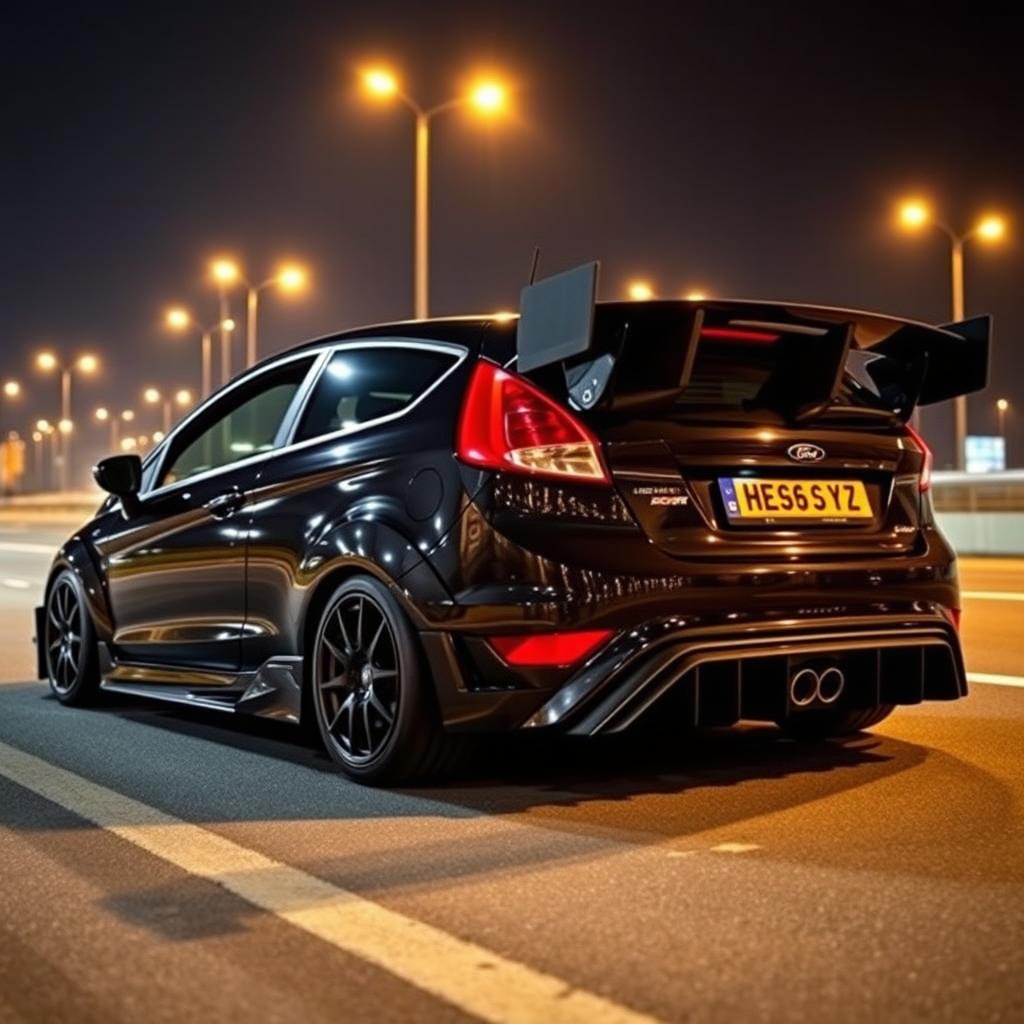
(981, 513)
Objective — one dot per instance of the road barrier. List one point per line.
(981, 513)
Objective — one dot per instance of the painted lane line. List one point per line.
(993, 595)
(25, 548)
(735, 848)
(463, 974)
(993, 679)
(16, 584)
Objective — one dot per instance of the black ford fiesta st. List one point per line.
(563, 521)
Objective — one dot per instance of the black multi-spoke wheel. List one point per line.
(70, 650)
(371, 708)
(357, 677)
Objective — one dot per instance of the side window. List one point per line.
(242, 423)
(363, 384)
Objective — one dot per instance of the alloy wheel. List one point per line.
(357, 677)
(64, 636)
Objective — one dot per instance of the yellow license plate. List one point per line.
(748, 498)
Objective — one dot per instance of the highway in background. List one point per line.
(160, 864)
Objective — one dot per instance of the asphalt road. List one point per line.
(160, 865)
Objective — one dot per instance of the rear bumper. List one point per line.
(718, 674)
(718, 680)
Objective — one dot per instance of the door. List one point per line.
(176, 570)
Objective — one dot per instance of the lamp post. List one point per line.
(225, 273)
(179, 320)
(44, 429)
(914, 215)
(289, 278)
(488, 98)
(182, 398)
(85, 364)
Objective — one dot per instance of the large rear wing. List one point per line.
(627, 354)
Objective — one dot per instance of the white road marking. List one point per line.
(25, 548)
(992, 679)
(16, 584)
(735, 848)
(682, 853)
(993, 595)
(465, 975)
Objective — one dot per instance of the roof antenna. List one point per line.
(534, 263)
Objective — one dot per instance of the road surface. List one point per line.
(163, 865)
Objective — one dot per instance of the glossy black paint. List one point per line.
(208, 590)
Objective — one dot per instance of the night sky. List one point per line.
(750, 150)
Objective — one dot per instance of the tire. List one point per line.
(72, 662)
(826, 724)
(374, 713)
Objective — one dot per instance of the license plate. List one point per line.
(748, 498)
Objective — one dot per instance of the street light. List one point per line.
(43, 430)
(85, 364)
(640, 291)
(225, 273)
(102, 415)
(179, 320)
(289, 278)
(488, 98)
(1002, 407)
(182, 398)
(695, 296)
(12, 389)
(915, 214)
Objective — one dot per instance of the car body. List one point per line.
(526, 562)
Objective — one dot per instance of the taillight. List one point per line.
(548, 650)
(508, 424)
(953, 614)
(925, 482)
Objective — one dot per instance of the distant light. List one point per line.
(128, 444)
(12, 388)
(151, 395)
(46, 361)
(991, 228)
(178, 319)
(88, 364)
(241, 447)
(225, 271)
(36, 436)
(914, 214)
(488, 97)
(1002, 404)
(102, 414)
(227, 325)
(292, 278)
(183, 397)
(158, 436)
(695, 296)
(128, 415)
(380, 82)
(65, 426)
(641, 291)
(43, 426)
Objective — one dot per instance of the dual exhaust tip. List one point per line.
(816, 686)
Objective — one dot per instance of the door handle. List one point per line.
(225, 505)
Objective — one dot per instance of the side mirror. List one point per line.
(121, 475)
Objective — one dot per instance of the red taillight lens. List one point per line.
(548, 650)
(509, 424)
(953, 614)
(925, 483)
(737, 334)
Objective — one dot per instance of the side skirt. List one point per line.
(274, 690)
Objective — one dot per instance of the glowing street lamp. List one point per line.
(640, 291)
(913, 215)
(1002, 408)
(178, 319)
(695, 296)
(225, 273)
(86, 364)
(486, 97)
(290, 278)
(182, 398)
(12, 389)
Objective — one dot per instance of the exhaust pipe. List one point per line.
(809, 685)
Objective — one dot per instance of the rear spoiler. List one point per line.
(561, 323)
